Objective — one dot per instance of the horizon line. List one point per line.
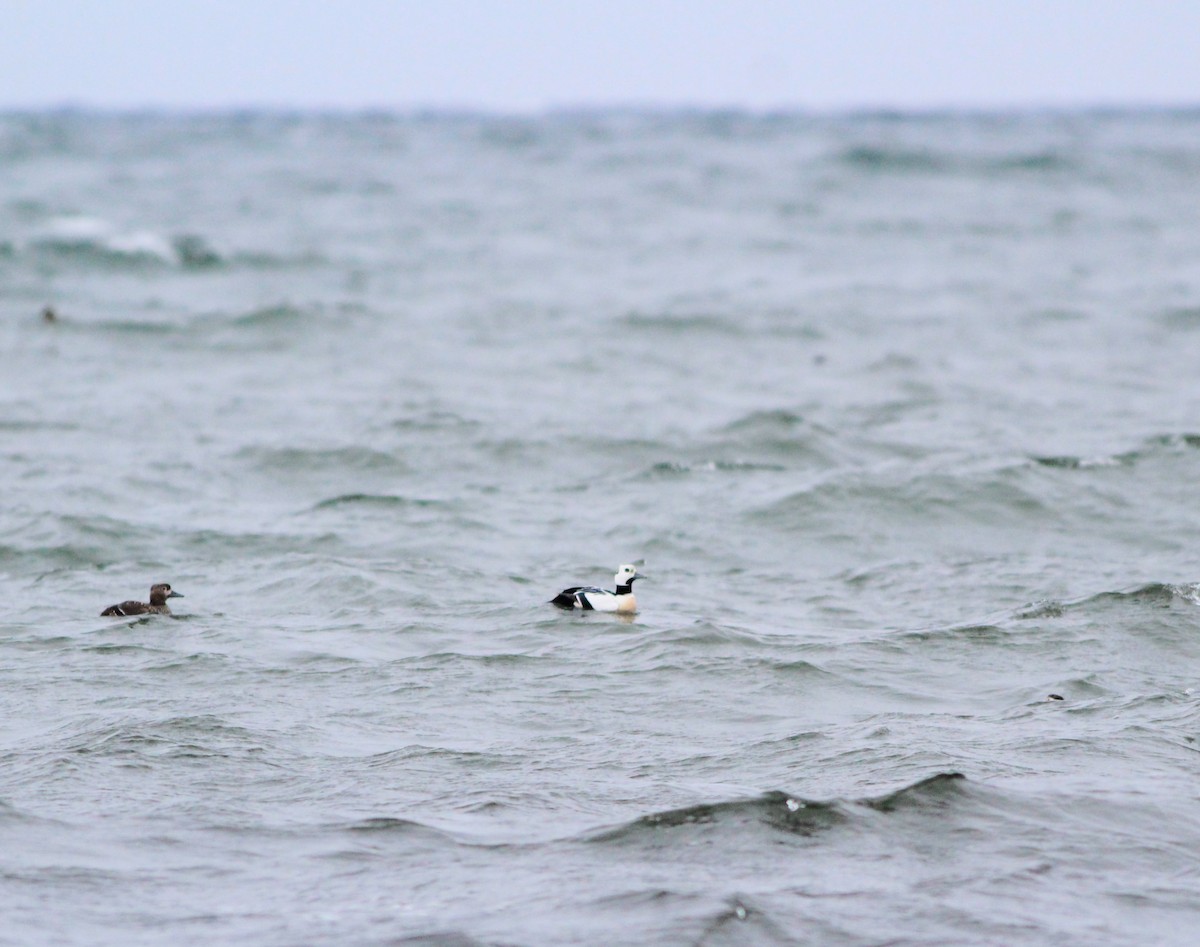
(649, 109)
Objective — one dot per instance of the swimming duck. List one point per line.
(589, 598)
(158, 603)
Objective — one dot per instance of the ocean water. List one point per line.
(901, 411)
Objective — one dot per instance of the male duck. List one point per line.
(589, 598)
(158, 603)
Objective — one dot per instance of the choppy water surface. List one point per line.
(901, 412)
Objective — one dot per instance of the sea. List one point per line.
(898, 413)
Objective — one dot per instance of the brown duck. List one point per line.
(158, 603)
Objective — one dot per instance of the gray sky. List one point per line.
(523, 55)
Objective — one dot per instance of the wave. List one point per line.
(665, 915)
(49, 543)
(55, 558)
(10, 814)
(435, 420)
(779, 432)
(673, 468)
(16, 424)
(270, 317)
(134, 326)
(897, 159)
(390, 825)
(266, 260)
(378, 500)
(781, 812)
(1159, 594)
(875, 158)
(113, 648)
(975, 634)
(924, 500)
(189, 737)
(417, 752)
(278, 321)
(1071, 462)
(1160, 597)
(776, 420)
(1182, 317)
(193, 252)
(93, 241)
(441, 659)
(134, 250)
(693, 322)
(301, 459)
(1033, 161)
(774, 809)
(1000, 493)
(451, 514)
(1153, 446)
(1175, 441)
(440, 939)
(933, 793)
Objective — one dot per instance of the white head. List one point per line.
(626, 574)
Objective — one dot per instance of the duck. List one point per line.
(588, 598)
(158, 603)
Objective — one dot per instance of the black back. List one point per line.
(126, 608)
(566, 598)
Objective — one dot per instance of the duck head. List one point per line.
(626, 575)
(161, 592)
